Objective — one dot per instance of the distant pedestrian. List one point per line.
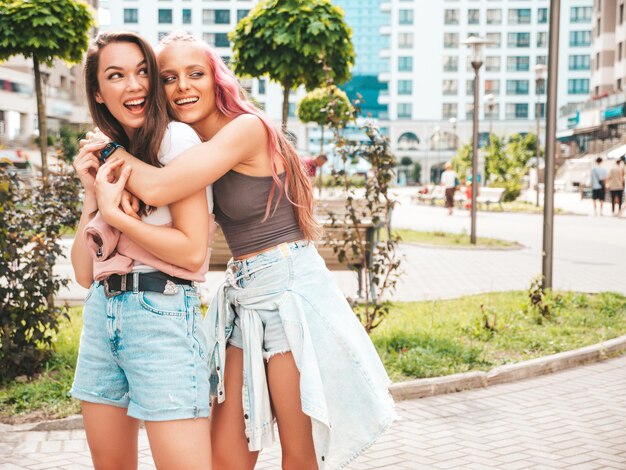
(449, 180)
(615, 185)
(312, 164)
(598, 185)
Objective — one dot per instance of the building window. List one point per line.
(579, 62)
(494, 16)
(241, 14)
(542, 39)
(580, 14)
(519, 16)
(542, 59)
(473, 16)
(519, 39)
(492, 63)
(492, 86)
(541, 89)
(495, 39)
(579, 38)
(406, 16)
(598, 30)
(450, 87)
(405, 64)
(619, 84)
(405, 87)
(216, 39)
(518, 64)
(261, 86)
(578, 86)
(186, 16)
(542, 15)
(131, 15)
(517, 87)
(292, 110)
(450, 63)
(620, 50)
(451, 17)
(449, 110)
(450, 40)
(404, 110)
(621, 14)
(517, 111)
(405, 40)
(165, 16)
(215, 16)
(469, 87)
(542, 110)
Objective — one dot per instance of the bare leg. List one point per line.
(294, 427)
(228, 437)
(111, 435)
(180, 444)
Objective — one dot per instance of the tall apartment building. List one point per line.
(365, 17)
(608, 71)
(431, 78)
(597, 127)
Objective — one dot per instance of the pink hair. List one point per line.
(231, 101)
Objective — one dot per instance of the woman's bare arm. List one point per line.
(80, 256)
(184, 244)
(196, 167)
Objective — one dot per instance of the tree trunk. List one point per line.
(286, 90)
(41, 115)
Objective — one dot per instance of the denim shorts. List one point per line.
(242, 274)
(144, 351)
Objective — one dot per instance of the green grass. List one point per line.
(418, 339)
(46, 395)
(439, 238)
(429, 339)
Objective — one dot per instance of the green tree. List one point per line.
(294, 42)
(462, 161)
(322, 105)
(44, 30)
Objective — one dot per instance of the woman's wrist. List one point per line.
(90, 202)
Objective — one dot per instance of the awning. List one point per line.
(616, 153)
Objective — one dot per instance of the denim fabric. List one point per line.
(343, 384)
(144, 351)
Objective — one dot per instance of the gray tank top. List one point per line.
(239, 206)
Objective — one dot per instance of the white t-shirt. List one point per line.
(448, 179)
(178, 137)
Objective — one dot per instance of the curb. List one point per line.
(422, 388)
(516, 247)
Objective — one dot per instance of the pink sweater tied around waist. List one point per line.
(115, 253)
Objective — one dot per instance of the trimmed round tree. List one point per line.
(324, 106)
(44, 30)
(294, 42)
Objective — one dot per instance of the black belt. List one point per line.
(150, 282)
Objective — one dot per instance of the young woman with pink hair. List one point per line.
(284, 345)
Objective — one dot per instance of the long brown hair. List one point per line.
(146, 140)
(231, 100)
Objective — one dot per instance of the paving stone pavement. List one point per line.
(571, 420)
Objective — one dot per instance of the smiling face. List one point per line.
(123, 84)
(188, 80)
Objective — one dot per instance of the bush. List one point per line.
(68, 143)
(32, 220)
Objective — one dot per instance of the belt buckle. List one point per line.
(109, 293)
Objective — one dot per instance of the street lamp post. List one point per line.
(476, 44)
(540, 76)
(452, 121)
(490, 99)
(550, 144)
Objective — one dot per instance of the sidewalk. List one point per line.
(570, 420)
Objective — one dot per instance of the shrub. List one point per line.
(32, 220)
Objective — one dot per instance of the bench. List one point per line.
(435, 193)
(490, 196)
